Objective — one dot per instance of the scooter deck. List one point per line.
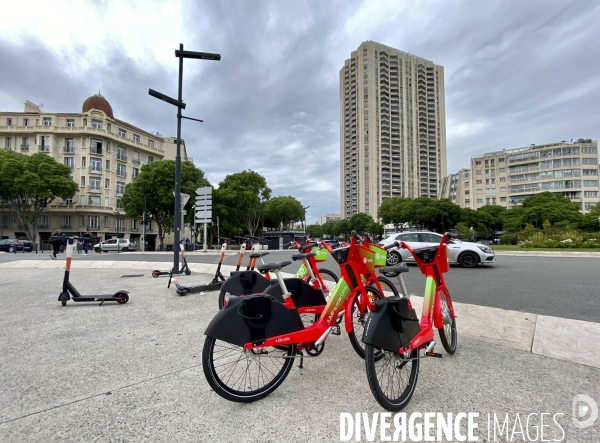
(185, 290)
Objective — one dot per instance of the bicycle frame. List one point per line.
(431, 315)
(349, 283)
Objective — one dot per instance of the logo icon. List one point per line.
(585, 411)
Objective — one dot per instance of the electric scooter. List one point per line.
(68, 290)
(184, 267)
(216, 282)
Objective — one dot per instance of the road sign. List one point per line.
(204, 191)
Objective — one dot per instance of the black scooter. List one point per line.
(216, 282)
(184, 267)
(68, 290)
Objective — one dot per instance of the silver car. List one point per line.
(466, 254)
(122, 244)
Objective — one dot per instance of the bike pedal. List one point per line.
(335, 330)
(433, 354)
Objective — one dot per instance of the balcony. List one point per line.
(135, 161)
(24, 148)
(95, 150)
(63, 226)
(95, 170)
(43, 148)
(68, 149)
(95, 189)
(121, 157)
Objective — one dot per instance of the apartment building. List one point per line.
(104, 155)
(457, 188)
(329, 217)
(392, 128)
(508, 177)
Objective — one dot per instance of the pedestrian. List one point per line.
(187, 244)
(86, 242)
(56, 243)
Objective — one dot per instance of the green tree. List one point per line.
(395, 210)
(155, 183)
(342, 229)
(590, 222)
(239, 201)
(281, 211)
(360, 222)
(328, 228)
(513, 220)
(28, 183)
(375, 229)
(495, 217)
(314, 231)
(464, 231)
(549, 206)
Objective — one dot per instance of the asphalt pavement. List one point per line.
(133, 372)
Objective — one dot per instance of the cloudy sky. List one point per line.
(516, 72)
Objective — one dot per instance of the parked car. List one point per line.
(122, 244)
(466, 254)
(333, 243)
(12, 244)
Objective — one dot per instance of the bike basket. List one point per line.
(341, 254)
(321, 254)
(426, 255)
(380, 256)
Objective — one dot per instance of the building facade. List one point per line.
(457, 188)
(392, 128)
(329, 217)
(508, 177)
(104, 155)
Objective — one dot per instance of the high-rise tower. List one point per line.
(392, 128)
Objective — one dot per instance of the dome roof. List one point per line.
(97, 101)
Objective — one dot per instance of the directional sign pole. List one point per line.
(205, 237)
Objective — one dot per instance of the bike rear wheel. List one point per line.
(243, 375)
(359, 317)
(392, 377)
(388, 288)
(448, 334)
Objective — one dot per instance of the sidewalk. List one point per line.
(133, 372)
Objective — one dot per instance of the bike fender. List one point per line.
(438, 322)
(231, 327)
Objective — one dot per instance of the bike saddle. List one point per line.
(273, 266)
(303, 256)
(399, 268)
(258, 254)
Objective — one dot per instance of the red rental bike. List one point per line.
(252, 342)
(394, 337)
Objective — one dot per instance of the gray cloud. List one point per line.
(516, 73)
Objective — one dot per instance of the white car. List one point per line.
(123, 244)
(466, 254)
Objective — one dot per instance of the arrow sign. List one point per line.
(207, 190)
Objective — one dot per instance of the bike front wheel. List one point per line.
(358, 315)
(448, 334)
(244, 376)
(392, 377)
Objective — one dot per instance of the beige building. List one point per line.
(508, 177)
(457, 188)
(392, 128)
(104, 154)
(329, 217)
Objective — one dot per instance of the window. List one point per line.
(69, 145)
(108, 165)
(81, 220)
(150, 143)
(478, 172)
(94, 221)
(501, 160)
(584, 149)
(590, 172)
(47, 121)
(135, 172)
(134, 224)
(66, 221)
(94, 200)
(85, 122)
(106, 225)
(135, 157)
(467, 192)
(467, 201)
(590, 193)
(136, 138)
(478, 162)
(70, 123)
(43, 221)
(9, 123)
(24, 143)
(83, 181)
(121, 154)
(118, 203)
(7, 141)
(503, 199)
(493, 181)
(95, 184)
(479, 200)
(479, 191)
(96, 124)
(106, 183)
(25, 122)
(408, 237)
(68, 201)
(502, 179)
(120, 188)
(106, 202)
(44, 143)
(502, 189)
(590, 183)
(150, 159)
(95, 164)
(589, 161)
(70, 162)
(119, 224)
(502, 170)
(108, 127)
(478, 182)
(96, 147)
(487, 181)
(431, 238)
(107, 146)
(122, 133)
(121, 170)
(83, 162)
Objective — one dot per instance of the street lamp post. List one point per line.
(117, 226)
(181, 54)
(305, 208)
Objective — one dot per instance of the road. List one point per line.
(553, 286)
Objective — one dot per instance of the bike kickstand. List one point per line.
(301, 366)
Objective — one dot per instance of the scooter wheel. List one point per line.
(155, 274)
(187, 271)
(63, 299)
(124, 298)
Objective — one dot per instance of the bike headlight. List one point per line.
(485, 249)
